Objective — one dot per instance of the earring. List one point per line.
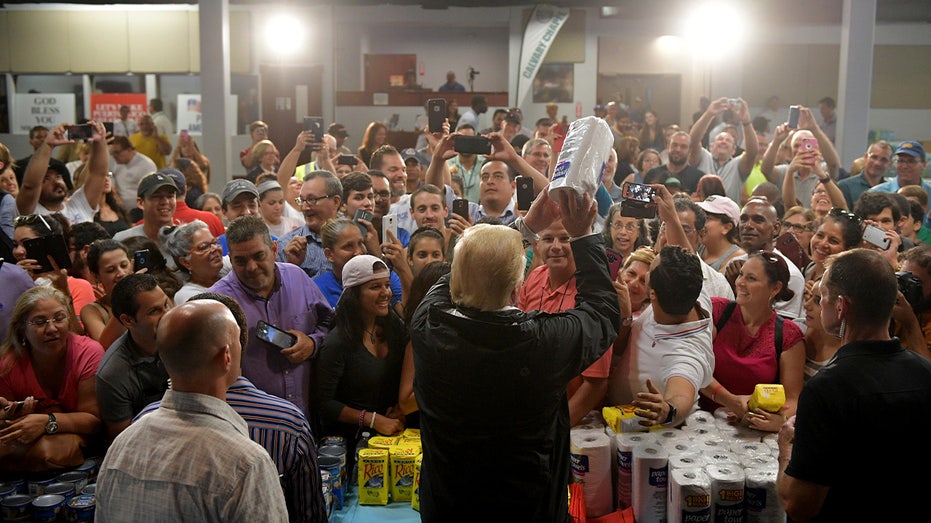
(843, 328)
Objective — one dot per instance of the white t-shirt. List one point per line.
(729, 172)
(127, 176)
(659, 352)
(76, 208)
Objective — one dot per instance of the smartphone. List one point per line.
(876, 236)
(12, 410)
(809, 144)
(461, 208)
(638, 192)
(389, 222)
(436, 114)
(790, 247)
(185, 136)
(524, 192)
(39, 249)
(472, 145)
(314, 124)
(733, 103)
(108, 127)
(277, 337)
(141, 260)
(793, 116)
(362, 214)
(615, 261)
(80, 132)
(347, 159)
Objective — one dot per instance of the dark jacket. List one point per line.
(491, 387)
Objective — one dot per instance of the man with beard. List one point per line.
(720, 160)
(678, 147)
(44, 190)
(759, 226)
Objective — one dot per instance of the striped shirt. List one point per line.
(282, 429)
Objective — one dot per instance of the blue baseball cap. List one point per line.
(912, 149)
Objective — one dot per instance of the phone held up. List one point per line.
(39, 249)
(436, 114)
(141, 260)
(461, 208)
(790, 247)
(314, 124)
(637, 198)
(362, 214)
(347, 159)
(389, 222)
(793, 116)
(472, 144)
(876, 236)
(80, 132)
(277, 337)
(524, 192)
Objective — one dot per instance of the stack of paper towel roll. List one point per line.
(590, 454)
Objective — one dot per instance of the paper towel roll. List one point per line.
(624, 445)
(679, 447)
(590, 453)
(720, 457)
(689, 495)
(727, 492)
(709, 443)
(754, 448)
(582, 158)
(666, 437)
(759, 462)
(650, 474)
(697, 431)
(760, 497)
(699, 417)
(687, 460)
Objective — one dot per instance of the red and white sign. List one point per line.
(105, 107)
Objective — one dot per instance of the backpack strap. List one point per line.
(726, 315)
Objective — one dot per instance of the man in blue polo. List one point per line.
(910, 164)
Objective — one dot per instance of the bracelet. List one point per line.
(715, 391)
(372, 424)
(361, 419)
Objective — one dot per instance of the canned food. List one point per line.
(46, 507)
(90, 488)
(339, 452)
(66, 490)
(15, 507)
(331, 464)
(7, 489)
(81, 508)
(89, 468)
(339, 441)
(38, 484)
(79, 479)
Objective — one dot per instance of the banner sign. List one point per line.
(545, 23)
(190, 115)
(105, 107)
(46, 109)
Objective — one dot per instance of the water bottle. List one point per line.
(362, 443)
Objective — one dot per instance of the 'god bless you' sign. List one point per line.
(46, 109)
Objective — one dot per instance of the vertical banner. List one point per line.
(46, 109)
(545, 23)
(105, 107)
(190, 115)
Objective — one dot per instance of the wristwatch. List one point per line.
(627, 322)
(672, 413)
(52, 426)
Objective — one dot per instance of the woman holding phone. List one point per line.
(52, 370)
(839, 231)
(29, 227)
(108, 262)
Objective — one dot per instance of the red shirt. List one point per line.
(82, 360)
(536, 294)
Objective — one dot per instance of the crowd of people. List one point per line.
(405, 289)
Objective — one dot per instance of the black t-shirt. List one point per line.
(688, 177)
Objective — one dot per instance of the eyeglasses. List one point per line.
(310, 201)
(382, 195)
(837, 212)
(25, 219)
(799, 227)
(39, 323)
(910, 160)
(205, 247)
(629, 227)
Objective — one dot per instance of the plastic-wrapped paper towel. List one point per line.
(590, 453)
(624, 456)
(720, 457)
(679, 446)
(760, 498)
(667, 437)
(583, 156)
(689, 496)
(727, 492)
(755, 448)
(687, 460)
(650, 474)
(765, 462)
(699, 417)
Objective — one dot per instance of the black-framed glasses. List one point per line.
(837, 212)
(310, 201)
(799, 227)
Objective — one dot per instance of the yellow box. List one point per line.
(411, 433)
(373, 476)
(402, 472)
(622, 418)
(769, 397)
(382, 442)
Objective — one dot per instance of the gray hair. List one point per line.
(179, 240)
(333, 186)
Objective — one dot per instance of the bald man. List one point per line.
(192, 459)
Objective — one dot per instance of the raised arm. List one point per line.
(700, 128)
(289, 162)
(31, 188)
(807, 121)
(769, 157)
(98, 164)
(505, 152)
(752, 148)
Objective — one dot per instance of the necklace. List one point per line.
(371, 335)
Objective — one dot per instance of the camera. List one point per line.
(910, 287)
